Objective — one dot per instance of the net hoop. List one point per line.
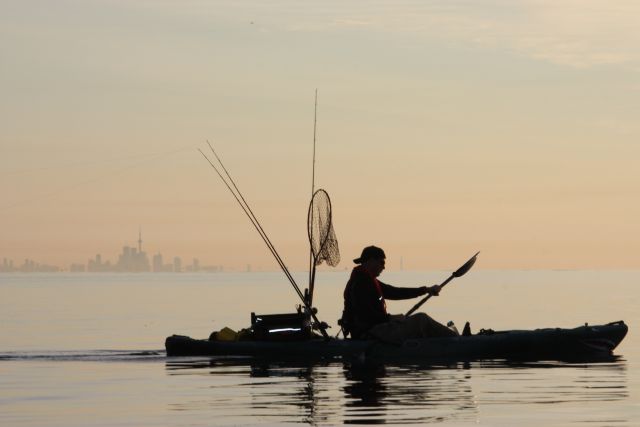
(322, 238)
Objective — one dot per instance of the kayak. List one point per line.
(581, 343)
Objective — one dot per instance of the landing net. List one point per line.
(324, 245)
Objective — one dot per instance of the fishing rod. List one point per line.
(312, 260)
(313, 166)
(247, 210)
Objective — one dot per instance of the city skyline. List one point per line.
(130, 260)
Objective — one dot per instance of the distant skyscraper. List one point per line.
(157, 263)
(133, 260)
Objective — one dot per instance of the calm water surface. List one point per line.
(87, 350)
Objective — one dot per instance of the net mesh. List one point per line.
(322, 238)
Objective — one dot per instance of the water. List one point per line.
(87, 350)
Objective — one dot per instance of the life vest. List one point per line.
(349, 322)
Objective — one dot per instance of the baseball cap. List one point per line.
(368, 253)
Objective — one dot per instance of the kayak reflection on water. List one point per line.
(353, 393)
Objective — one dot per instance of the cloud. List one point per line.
(579, 33)
(575, 33)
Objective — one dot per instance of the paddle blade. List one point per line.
(467, 266)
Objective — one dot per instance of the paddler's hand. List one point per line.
(431, 290)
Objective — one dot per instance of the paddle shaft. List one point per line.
(458, 273)
(423, 300)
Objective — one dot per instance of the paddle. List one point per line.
(459, 272)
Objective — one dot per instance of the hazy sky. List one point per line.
(509, 127)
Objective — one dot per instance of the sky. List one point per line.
(443, 128)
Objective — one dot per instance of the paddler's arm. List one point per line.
(397, 293)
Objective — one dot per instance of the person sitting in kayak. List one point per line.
(365, 311)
